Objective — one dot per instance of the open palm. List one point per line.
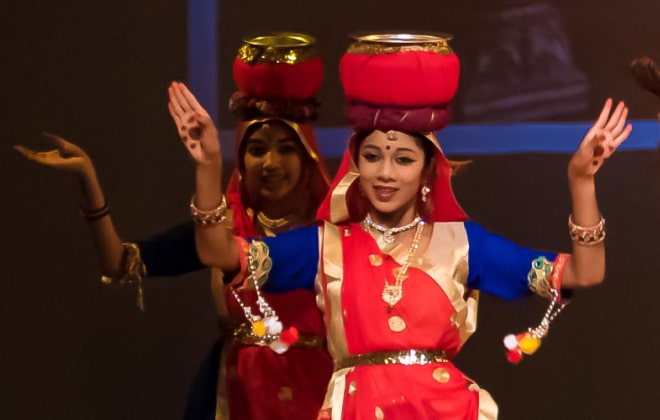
(195, 126)
(66, 156)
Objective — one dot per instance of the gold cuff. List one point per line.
(586, 235)
(134, 271)
(210, 217)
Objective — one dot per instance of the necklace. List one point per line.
(388, 233)
(393, 293)
(272, 225)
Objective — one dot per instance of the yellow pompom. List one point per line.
(529, 344)
(259, 328)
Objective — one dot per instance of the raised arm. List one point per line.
(68, 157)
(587, 264)
(213, 235)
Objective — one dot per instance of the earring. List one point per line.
(425, 192)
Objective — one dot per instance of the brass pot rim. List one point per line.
(281, 39)
(401, 38)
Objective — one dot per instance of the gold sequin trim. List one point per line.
(402, 357)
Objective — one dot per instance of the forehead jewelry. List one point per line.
(392, 135)
(388, 233)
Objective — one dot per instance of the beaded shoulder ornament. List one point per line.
(266, 329)
(541, 280)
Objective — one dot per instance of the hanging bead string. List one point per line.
(388, 233)
(528, 342)
(266, 325)
(554, 309)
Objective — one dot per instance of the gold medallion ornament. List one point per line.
(375, 260)
(396, 323)
(441, 375)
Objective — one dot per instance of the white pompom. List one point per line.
(510, 342)
(278, 347)
(273, 326)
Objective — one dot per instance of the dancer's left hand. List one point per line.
(601, 141)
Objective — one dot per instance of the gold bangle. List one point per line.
(586, 235)
(210, 217)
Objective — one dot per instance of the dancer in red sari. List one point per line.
(395, 264)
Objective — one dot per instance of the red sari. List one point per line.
(436, 315)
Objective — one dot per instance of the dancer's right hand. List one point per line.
(195, 126)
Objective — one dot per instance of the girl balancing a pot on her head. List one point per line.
(279, 182)
(393, 260)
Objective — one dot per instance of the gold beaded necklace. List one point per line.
(393, 293)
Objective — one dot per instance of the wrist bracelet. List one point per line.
(208, 217)
(96, 213)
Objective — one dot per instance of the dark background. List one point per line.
(97, 72)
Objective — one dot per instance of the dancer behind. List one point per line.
(279, 183)
(647, 74)
(397, 262)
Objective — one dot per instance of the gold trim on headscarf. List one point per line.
(338, 205)
(243, 126)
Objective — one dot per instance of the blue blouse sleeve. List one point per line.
(295, 256)
(172, 252)
(497, 265)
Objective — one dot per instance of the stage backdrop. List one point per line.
(97, 72)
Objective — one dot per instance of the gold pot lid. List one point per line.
(391, 42)
(278, 47)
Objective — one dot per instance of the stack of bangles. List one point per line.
(587, 235)
(96, 214)
(209, 217)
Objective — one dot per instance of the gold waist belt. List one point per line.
(397, 357)
(243, 335)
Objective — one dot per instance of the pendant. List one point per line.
(391, 294)
(388, 237)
